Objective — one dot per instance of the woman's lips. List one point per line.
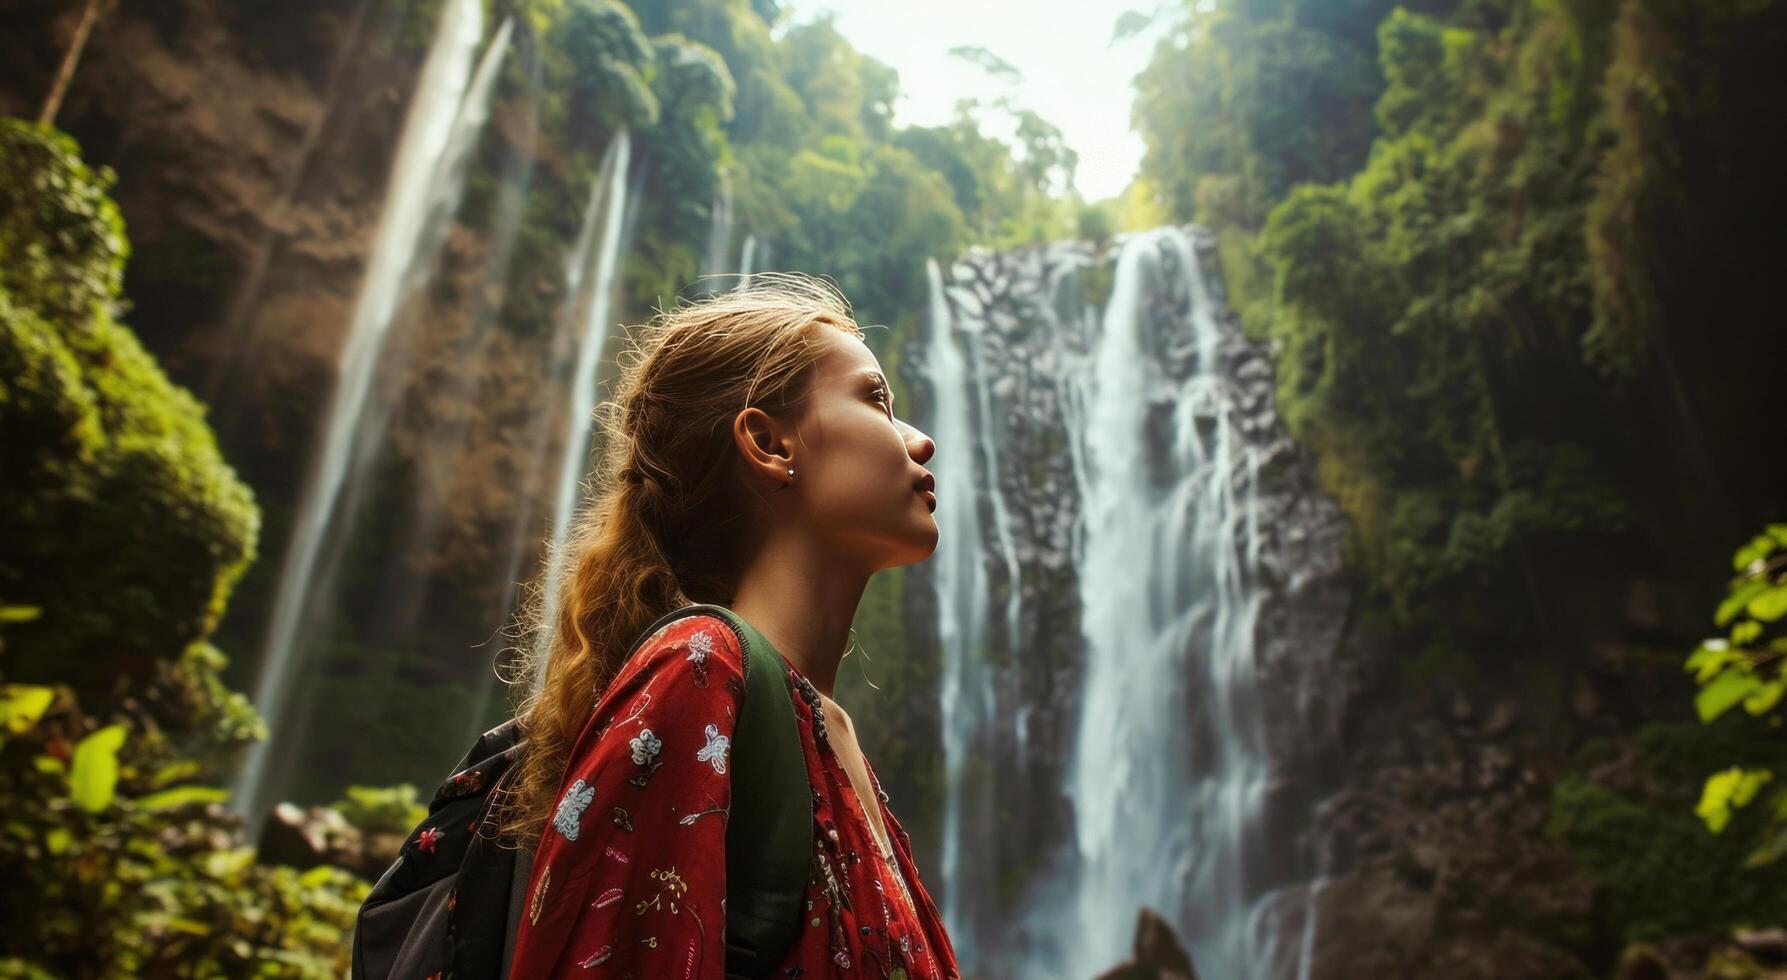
(930, 499)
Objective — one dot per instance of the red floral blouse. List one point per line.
(629, 874)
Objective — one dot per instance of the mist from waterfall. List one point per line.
(584, 326)
(447, 111)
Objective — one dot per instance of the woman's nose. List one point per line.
(918, 444)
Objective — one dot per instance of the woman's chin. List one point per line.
(932, 533)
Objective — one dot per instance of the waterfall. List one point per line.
(745, 258)
(589, 295)
(1169, 602)
(962, 605)
(436, 134)
(446, 185)
(987, 442)
(719, 235)
(1107, 434)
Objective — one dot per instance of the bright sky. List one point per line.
(1072, 75)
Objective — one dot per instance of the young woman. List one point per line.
(754, 461)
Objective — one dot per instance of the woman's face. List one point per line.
(859, 480)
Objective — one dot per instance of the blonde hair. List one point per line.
(666, 523)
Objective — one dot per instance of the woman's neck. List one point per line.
(803, 603)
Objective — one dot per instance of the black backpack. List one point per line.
(451, 902)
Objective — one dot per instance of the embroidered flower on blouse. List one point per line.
(426, 840)
(468, 781)
(700, 645)
(645, 747)
(715, 749)
(569, 819)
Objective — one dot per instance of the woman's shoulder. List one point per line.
(698, 638)
(691, 667)
(699, 646)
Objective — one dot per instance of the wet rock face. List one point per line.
(209, 185)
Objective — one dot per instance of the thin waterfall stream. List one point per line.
(438, 131)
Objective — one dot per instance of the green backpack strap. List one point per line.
(769, 826)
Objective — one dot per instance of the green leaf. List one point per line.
(179, 796)
(94, 776)
(58, 840)
(1725, 691)
(19, 614)
(317, 877)
(1727, 791)
(224, 864)
(1745, 632)
(175, 771)
(1759, 548)
(49, 765)
(1765, 698)
(1709, 658)
(1770, 605)
(1738, 599)
(21, 705)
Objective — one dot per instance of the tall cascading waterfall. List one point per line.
(963, 607)
(1145, 741)
(448, 187)
(1168, 593)
(584, 327)
(437, 133)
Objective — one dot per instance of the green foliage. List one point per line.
(1639, 176)
(1095, 224)
(383, 809)
(611, 64)
(118, 516)
(93, 776)
(801, 126)
(1666, 875)
(124, 530)
(122, 866)
(1416, 292)
(1748, 666)
(62, 244)
(1253, 91)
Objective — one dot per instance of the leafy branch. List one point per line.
(1747, 666)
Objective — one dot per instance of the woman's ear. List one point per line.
(763, 442)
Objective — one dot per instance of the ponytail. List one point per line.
(667, 522)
